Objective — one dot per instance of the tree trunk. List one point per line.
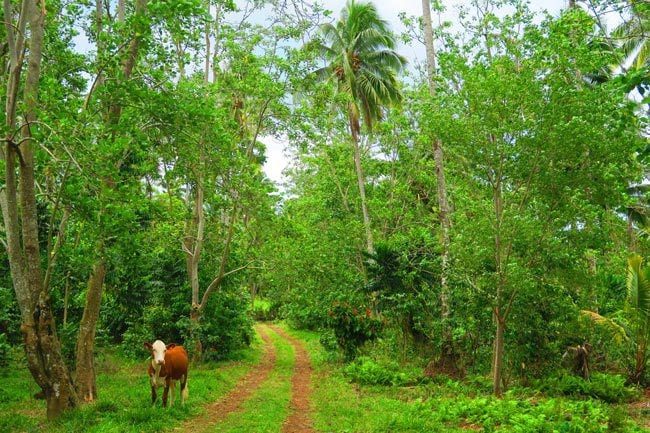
(441, 185)
(499, 315)
(85, 364)
(438, 156)
(193, 245)
(499, 348)
(18, 202)
(85, 354)
(354, 131)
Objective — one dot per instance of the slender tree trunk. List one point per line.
(193, 247)
(438, 156)
(18, 202)
(499, 315)
(354, 131)
(85, 374)
(441, 185)
(499, 348)
(85, 352)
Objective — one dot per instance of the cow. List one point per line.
(168, 365)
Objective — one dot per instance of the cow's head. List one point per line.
(158, 350)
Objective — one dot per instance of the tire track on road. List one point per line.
(242, 391)
(299, 419)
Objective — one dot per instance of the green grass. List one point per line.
(124, 403)
(267, 409)
(440, 405)
(446, 405)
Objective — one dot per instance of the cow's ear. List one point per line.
(170, 346)
(148, 346)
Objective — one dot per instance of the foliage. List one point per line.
(611, 388)
(454, 406)
(353, 327)
(365, 371)
(9, 317)
(226, 325)
(635, 317)
(638, 311)
(5, 347)
(263, 311)
(400, 282)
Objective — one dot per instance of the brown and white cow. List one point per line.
(168, 365)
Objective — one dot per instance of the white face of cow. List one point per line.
(158, 350)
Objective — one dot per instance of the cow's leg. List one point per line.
(172, 392)
(153, 394)
(165, 393)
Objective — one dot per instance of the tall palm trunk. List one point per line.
(354, 132)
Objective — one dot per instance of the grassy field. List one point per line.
(124, 403)
(340, 402)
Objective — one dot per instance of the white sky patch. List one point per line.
(276, 159)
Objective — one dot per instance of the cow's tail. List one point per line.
(186, 391)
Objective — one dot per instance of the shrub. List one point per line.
(9, 316)
(4, 350)
(352, 327)
(226, 325)
(368, 372)
(610, 388)
(262, 311)
(328, 340)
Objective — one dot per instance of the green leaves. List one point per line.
(638, 287)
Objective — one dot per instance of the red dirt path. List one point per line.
(298, 420)
(233, 401)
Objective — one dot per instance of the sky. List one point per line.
(389, 10)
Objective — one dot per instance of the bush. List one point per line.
(352, 327)
(4, 350)
(225, 326)
(262, 311)
(610, 388)
(328, 340)
(301, 314)
(368, 372)
(9, 317)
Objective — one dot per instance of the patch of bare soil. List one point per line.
(299, 420)
(233, 401)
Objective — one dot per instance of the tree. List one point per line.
(109, 135)
(19, 205)
(443, 203)
(635, 326)
(363, 65)
(638, 306)
(632, 36)
(539, 166)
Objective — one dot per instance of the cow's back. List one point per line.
(176, 362)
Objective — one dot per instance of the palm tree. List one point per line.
(636, 324)
(633, 35)
(638, 307)
(362, 63)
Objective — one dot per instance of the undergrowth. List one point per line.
(387, 396)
